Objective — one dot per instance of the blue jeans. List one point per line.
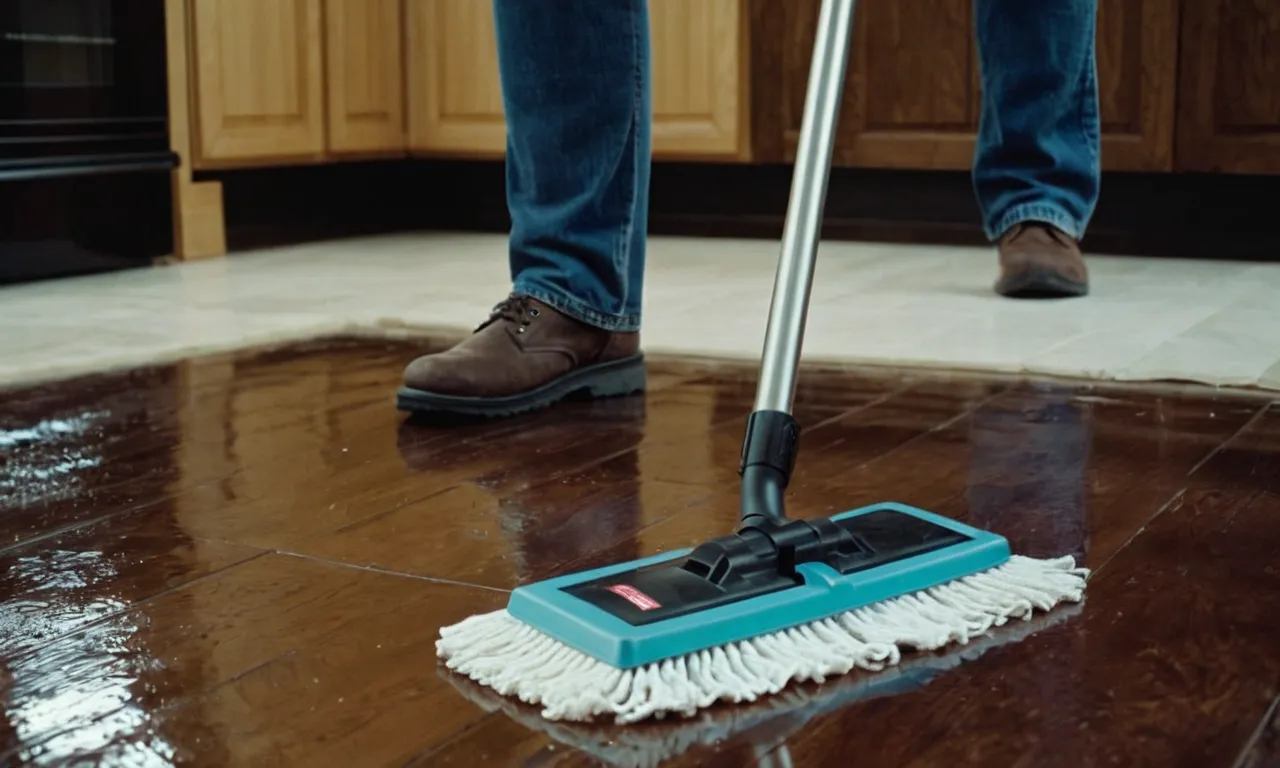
(576, 94)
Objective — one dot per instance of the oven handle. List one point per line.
(87, 165)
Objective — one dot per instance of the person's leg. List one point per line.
(576, 97)
(1036, 170)
(575, 85)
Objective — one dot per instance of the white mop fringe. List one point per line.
(514, 659)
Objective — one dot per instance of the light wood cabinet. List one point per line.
(454, 93)
(289, 81)
(701, 106)
(700, 68)
(913, 98)
(259, 81)
(365, 80)
(1229, 94)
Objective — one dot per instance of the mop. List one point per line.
(779, 601)
(768, 724)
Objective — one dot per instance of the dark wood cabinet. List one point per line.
(1229, 87)
(914, 96)
(1137, 49)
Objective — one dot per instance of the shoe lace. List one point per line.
(1053, 232)
(514, 309)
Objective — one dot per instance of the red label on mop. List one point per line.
(634, 596)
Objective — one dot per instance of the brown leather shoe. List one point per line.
(1038, 261)
(525, 356)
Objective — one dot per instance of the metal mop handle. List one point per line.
(769, 448)
(794, 281)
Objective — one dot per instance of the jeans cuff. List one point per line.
(577, 309)
(1039, 212)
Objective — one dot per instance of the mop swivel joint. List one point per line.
(768, 458)
(769, 551)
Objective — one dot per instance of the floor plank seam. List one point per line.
(939, 427)
(237, 677)
(639, 447)
(152, 715)
(1175, 501)
(572, 564)
(825, 422)
(21, 544)
(135, 605)
(420, 758)
(547, 480)
(1243, 760)
(389, 572)
(376, 516)
(72, 526)
(577, 563)
(1250, 424)
(1173, 504)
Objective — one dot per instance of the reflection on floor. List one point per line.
(245, 559)
(1210, 321)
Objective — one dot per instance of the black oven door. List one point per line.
(84, 147)
(82, 86)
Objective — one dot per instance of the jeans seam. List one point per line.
(1089, 127)
(622, 255)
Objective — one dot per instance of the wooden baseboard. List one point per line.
(199, 226)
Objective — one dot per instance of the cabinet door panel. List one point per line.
(365, 76)
(699, 78)
(1137, 46)
(913, 96)
(455, 93)
(1229, 94)
(259, 79)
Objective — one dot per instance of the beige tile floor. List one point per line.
(1147, 319)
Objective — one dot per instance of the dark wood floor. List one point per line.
(245, 560)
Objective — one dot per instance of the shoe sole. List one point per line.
(616, 378)
(1041, 284)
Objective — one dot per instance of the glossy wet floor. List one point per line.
(245, 560)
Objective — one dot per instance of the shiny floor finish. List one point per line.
(245, 560)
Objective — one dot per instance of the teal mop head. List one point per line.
(674, 634)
